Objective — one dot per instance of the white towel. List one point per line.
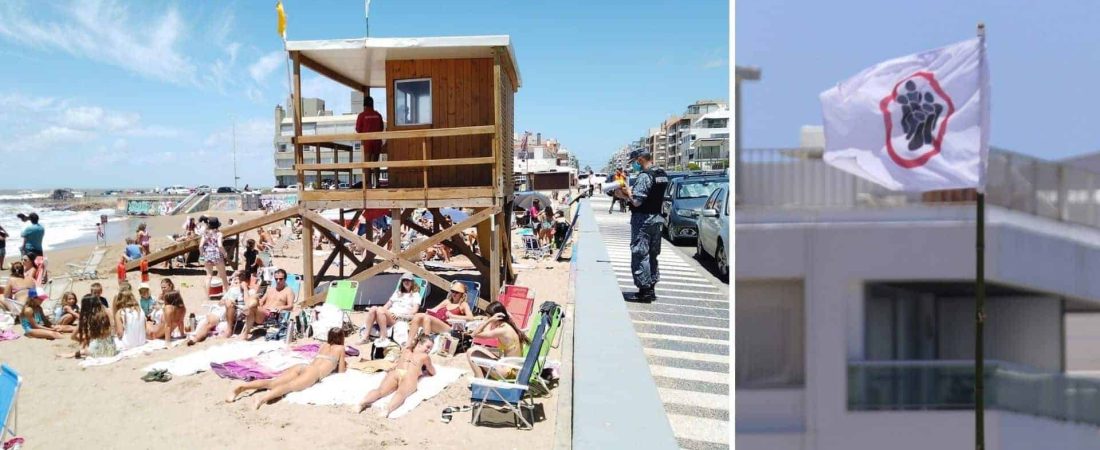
(200, 361)
(350, 387)
(149, 347)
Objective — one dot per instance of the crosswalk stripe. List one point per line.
(686, 355)
(665, 282)
(659, 313)
(702, 399)
(688, 339)
(646, 322)
(699, 429)
(688, 374)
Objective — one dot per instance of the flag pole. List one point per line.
(979, 305)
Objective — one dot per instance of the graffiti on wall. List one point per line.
(149, 207)
(278, 202)
(226, 203)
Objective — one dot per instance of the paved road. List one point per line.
(685, 334)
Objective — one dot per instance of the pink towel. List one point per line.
(8, 335)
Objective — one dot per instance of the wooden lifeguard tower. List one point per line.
(448, 141)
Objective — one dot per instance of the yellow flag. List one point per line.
(282, 19)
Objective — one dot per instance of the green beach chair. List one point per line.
(341, 294)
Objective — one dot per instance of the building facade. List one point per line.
(315, 120)
(855, 308)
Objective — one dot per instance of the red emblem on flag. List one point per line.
(916, 113)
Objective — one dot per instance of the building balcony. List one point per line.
(949, 385)
(798, 178)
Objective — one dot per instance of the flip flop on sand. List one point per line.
(159, 375)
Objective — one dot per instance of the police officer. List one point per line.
(644, 199)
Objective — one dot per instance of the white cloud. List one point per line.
(103, 31)
(94, 117)
(265, 66)
(46, 123)
(337, 97)
(254, 137)
(715, 59)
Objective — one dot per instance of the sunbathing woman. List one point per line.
(453, 308)
(403, 377)
(499, 326)
(402, 306)
(37, 325)
(328, 360)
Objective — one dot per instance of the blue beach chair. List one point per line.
(513, 397)
(9, 394)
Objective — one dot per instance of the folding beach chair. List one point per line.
(533, 249)
(473, 292)
(519, 309)
(510, 396)
(425, 289)
(88, 270)
(9, 396)
(341, 294)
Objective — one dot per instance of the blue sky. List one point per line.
(1044, 60)
(102, 93)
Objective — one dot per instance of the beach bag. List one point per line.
(6, 321)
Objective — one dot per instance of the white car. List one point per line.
(177, 190)
(291, 188)
(714, 230)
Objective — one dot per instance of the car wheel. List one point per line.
(721, 262)
(673, 239)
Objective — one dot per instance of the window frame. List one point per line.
(397, 115)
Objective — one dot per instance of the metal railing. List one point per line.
(797, 178)
(949, 385)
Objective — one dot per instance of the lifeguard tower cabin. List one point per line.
(448, 143)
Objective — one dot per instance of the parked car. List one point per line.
(177, 190)
(227, 190)
(684, 198)
(343, 186)
(203, 189)
(290, 188)
(714, 230)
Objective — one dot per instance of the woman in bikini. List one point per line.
(437, 319)
(499, 326)
(17, 288)
(403, 377)
(213, 252)
(328, 360)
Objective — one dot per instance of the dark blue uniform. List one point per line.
(647, 193)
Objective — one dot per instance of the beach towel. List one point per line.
(270, 364)
(350, 387)
(196, 362)
(8, 335)
(149, 347)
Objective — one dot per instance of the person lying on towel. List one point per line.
(403, 377)
(329, 359)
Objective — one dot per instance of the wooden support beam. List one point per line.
(498, 127)
(457, 243)
(418, 247)
(307, 251)
(341, 242)
(340, 231)
(296, 98)
(343, 249)
(404, 134)
(398, 164)
(329, 73)
(494, 258)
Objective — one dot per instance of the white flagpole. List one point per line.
(366, 16)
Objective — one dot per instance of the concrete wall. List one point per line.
(835, 253)
(152, 206)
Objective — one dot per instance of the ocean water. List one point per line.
(63, 228)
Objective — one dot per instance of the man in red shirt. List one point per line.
(370, 121)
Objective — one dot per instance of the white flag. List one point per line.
(915, 123)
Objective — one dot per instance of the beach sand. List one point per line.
(62, 405)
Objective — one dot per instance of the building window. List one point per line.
(770, 331)
(413, 101)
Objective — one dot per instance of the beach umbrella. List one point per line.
(523, 200)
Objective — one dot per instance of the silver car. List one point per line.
(714, 230)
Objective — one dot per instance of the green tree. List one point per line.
(693, 166)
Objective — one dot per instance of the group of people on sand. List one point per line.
(414, 360)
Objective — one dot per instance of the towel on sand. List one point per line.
(193, 363)
(148, 347)
(270, 364)
(8, 335)
(350, 387)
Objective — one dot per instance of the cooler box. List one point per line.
(215, 291)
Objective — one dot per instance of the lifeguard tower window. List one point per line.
(413, 101)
